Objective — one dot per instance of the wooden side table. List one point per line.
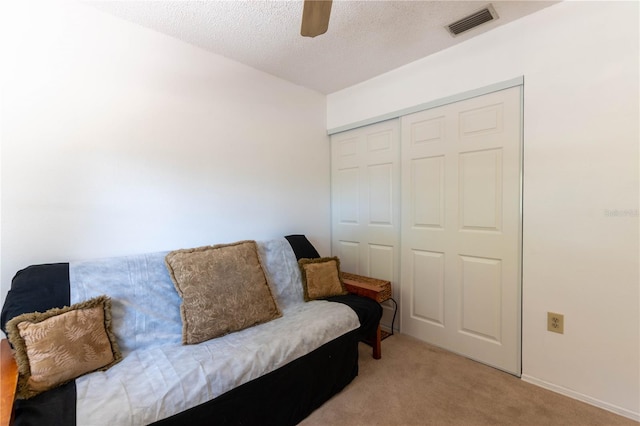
(9, 370)
(378, 290)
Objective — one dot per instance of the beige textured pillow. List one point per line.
(223, 289)
(59, 345)
(321, 278)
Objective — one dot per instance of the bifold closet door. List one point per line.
(365, 203)
(461, 227)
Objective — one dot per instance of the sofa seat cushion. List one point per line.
(156, 382)
(158, 376)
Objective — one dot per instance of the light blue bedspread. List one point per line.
(158, 376)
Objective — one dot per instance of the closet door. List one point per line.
(365, 203)
(461, 227)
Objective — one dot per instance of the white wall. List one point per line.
(118, 140)
(581, 139)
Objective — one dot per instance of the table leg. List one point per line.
(377, 347)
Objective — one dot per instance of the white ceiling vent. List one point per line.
(480, 17)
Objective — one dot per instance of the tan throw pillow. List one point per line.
(321, 278)
(59, 345)
(223, 289)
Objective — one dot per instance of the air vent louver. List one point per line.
(480, 17)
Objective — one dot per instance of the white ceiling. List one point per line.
(365, 38)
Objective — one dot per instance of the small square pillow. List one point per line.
(61, 344)
(223, 289)
(321, 278)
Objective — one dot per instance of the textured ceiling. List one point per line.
(365, 38)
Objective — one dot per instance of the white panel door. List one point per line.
(461, 227)
(365, 188)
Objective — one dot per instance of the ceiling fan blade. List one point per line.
(315, 17)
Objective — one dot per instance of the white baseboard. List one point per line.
(581, 397)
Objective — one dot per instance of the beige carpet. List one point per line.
(418, 384)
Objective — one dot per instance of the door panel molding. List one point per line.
(365, 187)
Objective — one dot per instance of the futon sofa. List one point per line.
(175, 365)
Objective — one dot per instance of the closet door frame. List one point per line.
(397, 114)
